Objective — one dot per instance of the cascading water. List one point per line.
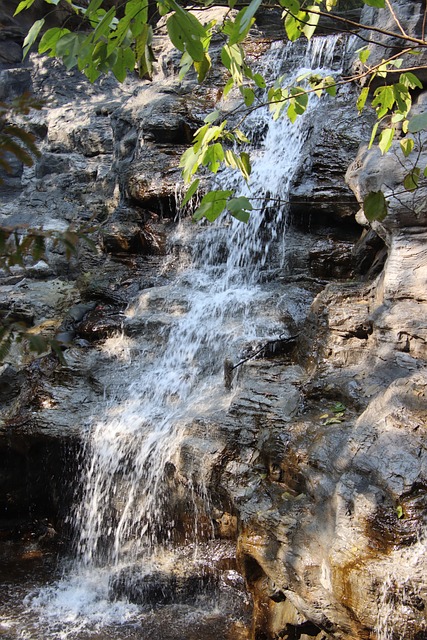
(219, 298)
(214, 309)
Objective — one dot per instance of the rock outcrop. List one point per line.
(314, 459)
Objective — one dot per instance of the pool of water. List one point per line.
(43, 598)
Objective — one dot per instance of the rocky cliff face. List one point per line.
(314, 460)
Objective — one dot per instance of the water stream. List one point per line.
(218, 306)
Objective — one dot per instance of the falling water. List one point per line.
(211, 311)
(133, 447)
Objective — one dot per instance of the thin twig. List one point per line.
(338, 83)
(395, 18)
(358, 25)
(264, 347)
(423, 31)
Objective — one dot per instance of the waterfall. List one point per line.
(218, 306)
(218, 299)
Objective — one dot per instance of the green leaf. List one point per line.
(186, 33)
(228, 86)
(233, 28)
(330, 86)
(410, 80)
(338, 407)
(411, 181)
(244, 164)
(68, 47)
(407, 145)
(259, 81)
(384, 99)
(143, 51)
(212, 205)
(291, 113)
(248, 14)
(310, 26)
(240, 208)
(241, 137)
(373, 134)
(418, 123)
(207, 134)
(297, 104)
(294, 25)
(93, 7)
(399, 511)
(203, 67)
(24, 4)
(125, 62)
(211, 117)
(386, 139)
(104, 26)
(375, 206)
(190, 192)
(232, 58)
(403, 97)
(361, 100)
(248, 95)
(137, 11)
(31, 37)
(189, 163)
(300, 98)
(364, 55)
(375, 3)
(50, 38)
(213, 157)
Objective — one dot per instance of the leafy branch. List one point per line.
(120, 39)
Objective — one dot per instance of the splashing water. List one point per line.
(209, 312)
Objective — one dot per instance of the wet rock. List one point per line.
(132, 238)
(318, 186)
(160, 588)
(331, 260)
(11, 381)
(101, 322)
(369, 254)
(14, 82)
(52, 163)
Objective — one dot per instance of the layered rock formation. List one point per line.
(315, 460)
